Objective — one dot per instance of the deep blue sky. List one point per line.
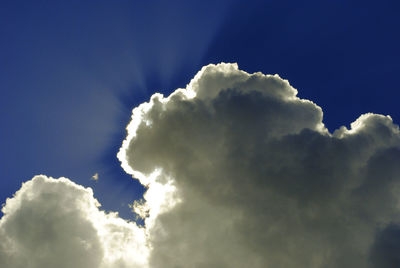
(71, 71)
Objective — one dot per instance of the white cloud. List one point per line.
(57, 223)
(240, 173)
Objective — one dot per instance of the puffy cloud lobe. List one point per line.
(256, 180)
(56, 223)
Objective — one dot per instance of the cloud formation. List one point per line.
(57, 223)
(240, 173)
(260, 180)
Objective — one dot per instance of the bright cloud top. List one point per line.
(240, 173)
(57, 223)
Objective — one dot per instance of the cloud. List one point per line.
(95, 177)
(57, 223)
(256, 180)
(240, 172)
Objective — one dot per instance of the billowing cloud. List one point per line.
(256, 180)
(57, 223)
(240, 173)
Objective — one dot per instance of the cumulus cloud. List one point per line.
(57, 223)
(256, 180)
(240, 172)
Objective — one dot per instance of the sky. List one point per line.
(72, 71)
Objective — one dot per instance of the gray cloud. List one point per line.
(259, 180)
(385, 251)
